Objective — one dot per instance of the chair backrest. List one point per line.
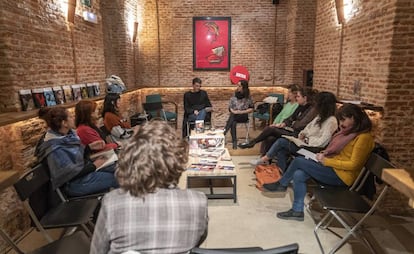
(152, 106)
(153, 98)
(32, 181)
(280, 97)
(287, 249)
(376, 164)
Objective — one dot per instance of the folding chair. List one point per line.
(76, 243)
(32, 189)
(339, 203)
(287, 249)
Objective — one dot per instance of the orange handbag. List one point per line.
(266, 174)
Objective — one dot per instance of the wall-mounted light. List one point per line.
(339, 5)
(71, 11)
(90, 17)
(135, 33)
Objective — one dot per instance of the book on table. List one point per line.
(110, 155)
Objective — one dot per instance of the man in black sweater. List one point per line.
(196, 104)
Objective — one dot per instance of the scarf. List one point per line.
(338, 142)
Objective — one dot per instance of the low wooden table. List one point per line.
(210, 176)
(402, 180)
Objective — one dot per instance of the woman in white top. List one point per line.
(315, 136)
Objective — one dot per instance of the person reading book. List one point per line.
(240, 105)
(338, 165)
(149, 213)
(292, 125)
(68, 165)
(315, 136)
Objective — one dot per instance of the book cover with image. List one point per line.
(90, 89)
(50, 96)
(199, 126)
(59, 96)
(39, 97)
(77, 95)
(26, 99)
(67, 91)
(84, 91)
(97, 89)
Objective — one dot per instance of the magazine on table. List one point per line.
(199, 126)
(110, 156)
(202, 166)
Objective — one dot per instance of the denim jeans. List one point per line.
(201, 116)
(300, 170)
(282, 148)
(94, 182)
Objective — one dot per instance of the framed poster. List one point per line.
(211, 43)
(86, 2)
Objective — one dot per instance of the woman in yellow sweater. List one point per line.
(339, 164)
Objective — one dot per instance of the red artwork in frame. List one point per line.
(211, 43)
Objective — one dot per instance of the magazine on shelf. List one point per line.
(91, 89)
(39, 97)
(59, 96)
(110, 156)
(84, 91)
(26, 99)
(50, 96)
(308, 154)
(76, 91)
(67, 91)
(96, 89)
(297, 141)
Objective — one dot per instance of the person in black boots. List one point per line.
(241, 104)
(290, 126)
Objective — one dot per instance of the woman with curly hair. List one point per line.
(149, 214)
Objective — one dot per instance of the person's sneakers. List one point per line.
(291, 215)
(247, 145)
(259, 161)
(274, 187)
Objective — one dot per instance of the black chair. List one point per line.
(341, 202)
(77, 243)
(33, 188)
(287, 249)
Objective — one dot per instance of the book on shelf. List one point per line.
(76, 91)
(110, 155)
(91, 90)
(295, 140)
(96, 89)
(199, 126)
(50, 96)
(26, 99)
(59, 95)
(39, 97)
(67, 91)
(84, 91)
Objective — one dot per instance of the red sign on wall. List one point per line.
(211, 43)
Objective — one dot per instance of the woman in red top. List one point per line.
(111, 113)
(85, 120)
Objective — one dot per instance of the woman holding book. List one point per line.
(85, 121)
(64, 154)
(338, 165)
(315, 136)
(148, 213)
(240, 105)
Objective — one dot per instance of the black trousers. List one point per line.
(232, 124)
(269, 135)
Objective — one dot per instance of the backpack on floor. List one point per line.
(266, 174)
